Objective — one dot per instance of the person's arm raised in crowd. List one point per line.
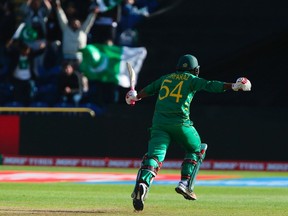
(62, 18)
(88, 23)
(47, 4)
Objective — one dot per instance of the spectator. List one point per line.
(74, 33)
(72, 84)
(35, 14)
(21, 70)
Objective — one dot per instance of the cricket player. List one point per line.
(171, 121)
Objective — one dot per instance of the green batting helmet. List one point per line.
(187, 62)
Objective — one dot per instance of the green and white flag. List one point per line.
(25, 33)
(108, 63)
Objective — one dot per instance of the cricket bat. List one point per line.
(132, 78)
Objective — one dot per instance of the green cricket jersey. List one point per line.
(175, 93)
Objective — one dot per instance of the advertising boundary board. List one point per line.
(135, 163)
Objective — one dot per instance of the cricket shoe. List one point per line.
(185, 192)
(138, 196)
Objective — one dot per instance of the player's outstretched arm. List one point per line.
(228, 86)
(142, 94)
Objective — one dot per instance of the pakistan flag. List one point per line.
(108, 63)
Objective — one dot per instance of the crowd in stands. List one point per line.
(39, 49)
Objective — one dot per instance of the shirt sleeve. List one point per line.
(198, 84)
(153, 87)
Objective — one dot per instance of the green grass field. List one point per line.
(96, 199)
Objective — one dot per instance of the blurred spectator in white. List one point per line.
(74, 33)
(72, 84)
(21, 70)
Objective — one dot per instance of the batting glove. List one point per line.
(131, 97)
(242, 84)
